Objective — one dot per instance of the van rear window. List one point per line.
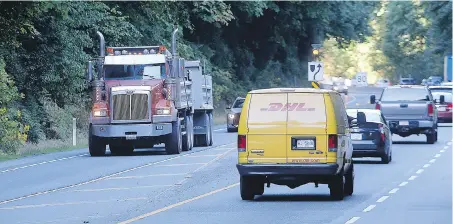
(267, 108)
(293, 107)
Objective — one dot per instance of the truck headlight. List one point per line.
(101, 112)
(231, 116)
(163, 111)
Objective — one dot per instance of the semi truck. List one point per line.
(144, 96)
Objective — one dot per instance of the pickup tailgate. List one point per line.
(407, 110)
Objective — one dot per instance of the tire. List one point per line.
(191, 132)
(349, 181)
(386, 158)
(186, 137)
(337, 187)
(96, 146)
(431, 138)
(203, 140)
(173, 141)
(246, 186)
(259, 188)
(211, 136)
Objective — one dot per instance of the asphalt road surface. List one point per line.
(202, 186)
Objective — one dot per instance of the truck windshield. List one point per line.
(134, 72)
(405, 94)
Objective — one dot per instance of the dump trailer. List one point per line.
(141, 96)
(202, 103)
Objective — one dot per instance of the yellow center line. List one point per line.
(178, 204)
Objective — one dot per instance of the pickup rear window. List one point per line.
(405, 94)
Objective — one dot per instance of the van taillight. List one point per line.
(430, 109)
(449, 106)
(242, 143)
(333, 143)
(381, 129)
(378, 106)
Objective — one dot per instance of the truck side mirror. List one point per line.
(361, 118)
(90, 71)
(442, 99)
(372, 99)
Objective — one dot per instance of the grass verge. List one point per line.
(46, 146)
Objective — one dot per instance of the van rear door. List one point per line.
(266, 124)
(306, 128)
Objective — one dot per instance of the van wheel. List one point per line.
(246, 185)
(337, 187)
(349, 181)
(96, 146)
(173, 141)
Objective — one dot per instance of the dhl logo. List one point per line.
(287, 107)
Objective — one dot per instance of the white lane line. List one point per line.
(369, 208)
(446, 147)
(352, 220)
(403, 183)
(41, 163)
(204, 156)
(432, 161)
(72, 203)
(413, 177)
(394, 190)
(223, 149)
(426, 165)
(120, 188)
(382, 199)
(419, 171)
(178, 204)
(181, 164)
(222, 129)
(437, 155)
(144, 176)
(105, 177)
(442, 150)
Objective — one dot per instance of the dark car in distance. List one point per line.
(234, 113)
(370, 134)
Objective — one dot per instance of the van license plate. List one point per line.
(404, 122)
(356, 136)
(305, 144)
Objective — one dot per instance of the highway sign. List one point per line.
(315, 71)
(361, 79)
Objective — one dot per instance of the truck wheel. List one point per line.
(246, 185)
(431, 138)
(211, 137)
(96, 146)
(337, 187)
(349, 181)
(173, 141)
(191, 132)
(186, 137)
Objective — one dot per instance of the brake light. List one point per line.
(430, 110)
(242, 143)
(449, 106)
(333, 143)
(381, 129)
(378, 106)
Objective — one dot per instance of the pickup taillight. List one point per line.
(333, 143)
(430, 109)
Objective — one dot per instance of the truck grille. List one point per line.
(130, 106)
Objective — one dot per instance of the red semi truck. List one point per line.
(144, 96)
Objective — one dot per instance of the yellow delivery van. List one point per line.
(293, 137)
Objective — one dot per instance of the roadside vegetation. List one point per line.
(44, 47)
